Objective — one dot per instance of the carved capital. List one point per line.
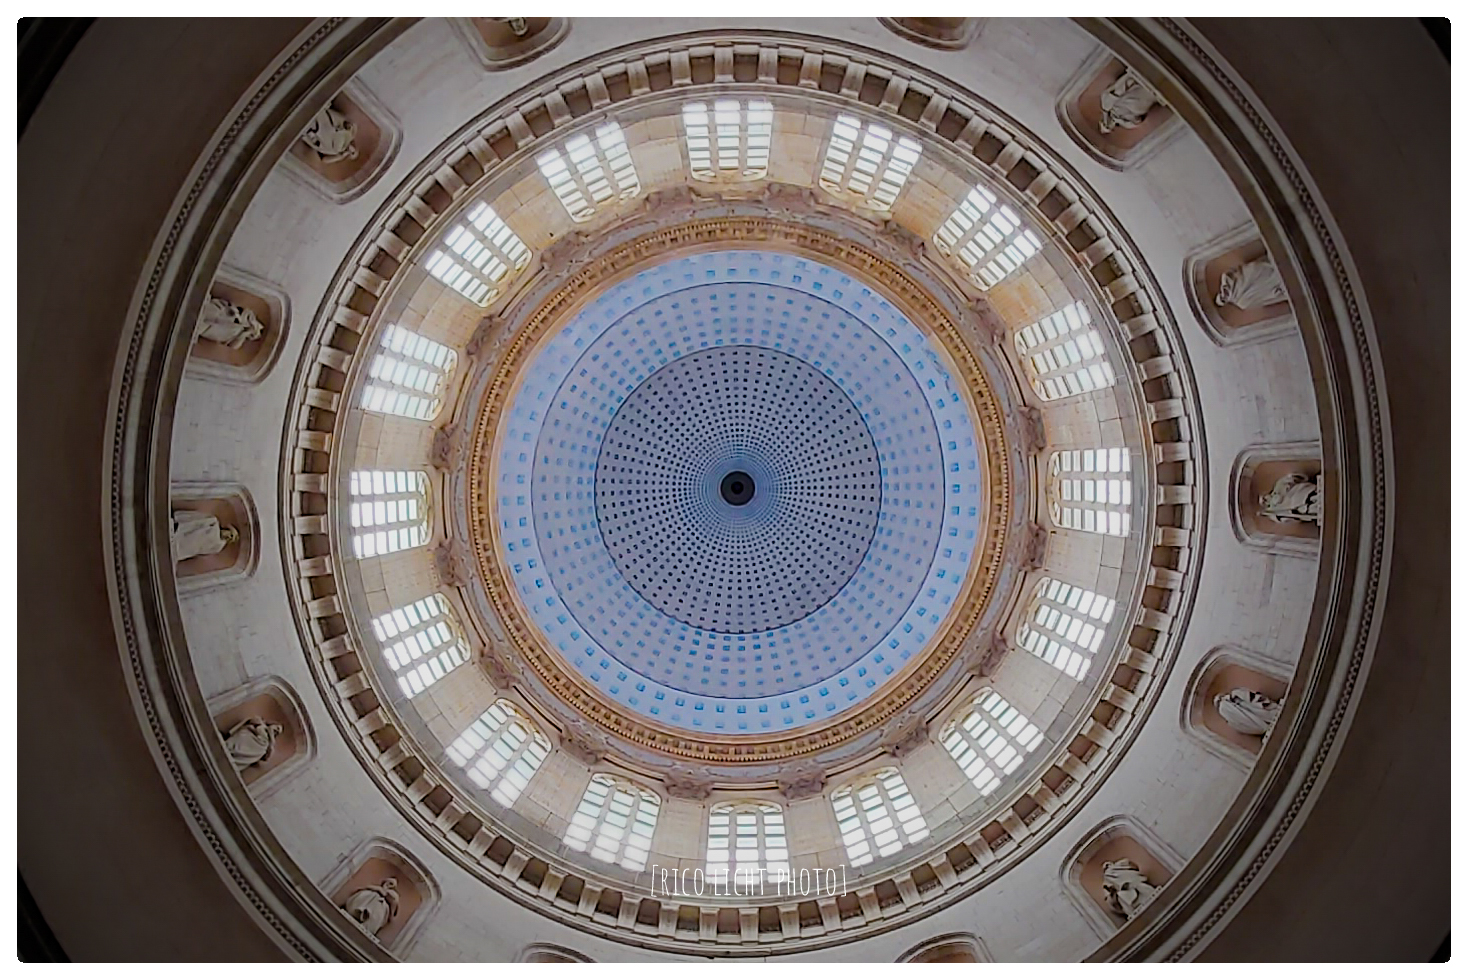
(453, 563)
(1031, 546)
(984, 653)
(584, 743)
(488, 328)
(984, 324)
(500, 666)
(801, 781)
(1029, 424)
(695, 783)
(904, 734)
(447, 444)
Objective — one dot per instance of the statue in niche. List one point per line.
(1293, 499)
(1247, 711)
(332, 135)
(221, 321)
(1126, 887)
(1125, 103)
(1251, 285)
(518, 26)
(250, 741)
(196, 534)
(373, 907)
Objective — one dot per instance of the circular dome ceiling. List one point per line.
(738, 491)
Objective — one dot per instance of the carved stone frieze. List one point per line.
(688, 782)
(447, 447)
(584, 744)
(904, 734)
(1031, 547)
(801, 781)
(1029, 426)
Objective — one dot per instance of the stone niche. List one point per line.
(1257, 471)
(945, 33)
(376, 136)
(372, 863)
(231, 506)
(957, 947)
(246, 361)
(1118, 838)
(272, 700)
(1228, 324)
(1227, 668)
(541, 952)
(504, 42)
(1080, 114)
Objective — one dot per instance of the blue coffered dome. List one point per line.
(738, 492)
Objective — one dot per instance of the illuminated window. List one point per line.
(590, 172)
(1065, 626)
(877, 817)
(987, 237)
(1064, 354)
(389, 510)
(868, 161)
(746, 839)
(614, 822)
(500, 752)
(990, 740)
(729, 139)
(407, 375)
(479, 256)
(1090, 490)
(421, 643)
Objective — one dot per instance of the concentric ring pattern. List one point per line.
(738, 489)
(694, 605)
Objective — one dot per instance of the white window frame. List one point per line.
(614, 822)
(745, 840)
(421, 643)
(590, 171)
(389, 510)
(990, 740)
(479, 256)
(987, 238)
(500, 752)
(408, 375)
(1064, 354)
(877, 816)
(867, 162)
(1090, 490)
(728, 139)
(1065, 626)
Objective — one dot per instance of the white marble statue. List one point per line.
(251, 740)
(517, 25)
(332, 135)
(1247, 711)
(1126, 887)
(196, 533)
(1125, 103)
(373, 907)
(224, 322)
(1251, 285)
(1293, 499)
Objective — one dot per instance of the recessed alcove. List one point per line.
(271, 700)
(505, 42)
(1263, 469)
(1118, 839)
(233, 355)
(1080, 113)
(1220, 671)
(958, 947)
(201, 517)
(376, 135)
(371, 864)
(1227, 323)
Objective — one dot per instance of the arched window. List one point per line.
(990, 740)
(479, 255)
(1090, 489)
(745, 838)
(407, 375)
(877, 817)
(1065, 625)
(615, 822)
(500, 751)
(421, 643)
(389, 510)
(1064, 354)
(591, 172)
(867, 161)
(987, 237)
(728, 139)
